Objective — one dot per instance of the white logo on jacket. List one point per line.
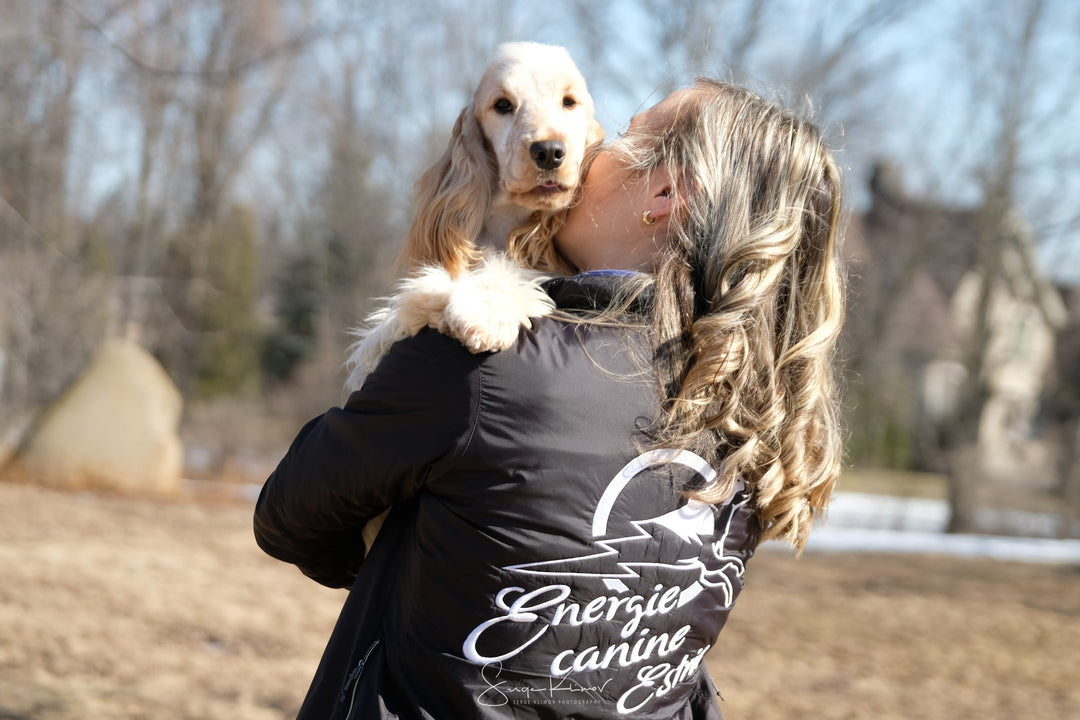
(618, 562)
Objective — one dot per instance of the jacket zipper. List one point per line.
(353, 681)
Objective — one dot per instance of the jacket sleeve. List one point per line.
(345, 467)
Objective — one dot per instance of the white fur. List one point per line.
(485, 309)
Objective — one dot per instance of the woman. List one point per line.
(572, 516)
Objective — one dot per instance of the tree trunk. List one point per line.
(1070, 478)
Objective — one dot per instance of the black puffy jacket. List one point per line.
(539, 560)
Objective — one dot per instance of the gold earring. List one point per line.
(647, 218)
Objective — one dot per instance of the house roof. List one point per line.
(909, 256)
(945, 238)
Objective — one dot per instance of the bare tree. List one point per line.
(1004, 73)
(49, 310)
(228, 77)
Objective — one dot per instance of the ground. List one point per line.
(135, 608)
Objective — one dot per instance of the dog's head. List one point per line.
(536, 114)
(521, 142)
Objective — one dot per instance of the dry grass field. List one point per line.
(132, 608)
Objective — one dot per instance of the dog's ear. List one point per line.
(596, 132)
(451, 201)
(467, 145)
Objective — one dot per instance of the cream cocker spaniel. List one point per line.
(514, 163)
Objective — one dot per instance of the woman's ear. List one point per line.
(662, 200)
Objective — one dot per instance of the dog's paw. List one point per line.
(488, 307)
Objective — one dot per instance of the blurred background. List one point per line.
(199, 197)
(226, 184)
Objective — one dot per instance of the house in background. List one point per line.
(916, 283)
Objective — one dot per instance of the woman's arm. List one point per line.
(348, 465)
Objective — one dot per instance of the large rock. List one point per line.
(115, 429)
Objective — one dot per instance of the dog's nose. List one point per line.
(548, 154)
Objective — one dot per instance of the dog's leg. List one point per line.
(488, 307)
(485, 310)
(419, 302)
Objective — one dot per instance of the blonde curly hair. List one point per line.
(749, 299)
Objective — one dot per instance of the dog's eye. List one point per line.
(503, 106)
(568, 102)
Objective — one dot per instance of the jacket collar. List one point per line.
(597, 289)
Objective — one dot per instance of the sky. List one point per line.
(922, 111)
